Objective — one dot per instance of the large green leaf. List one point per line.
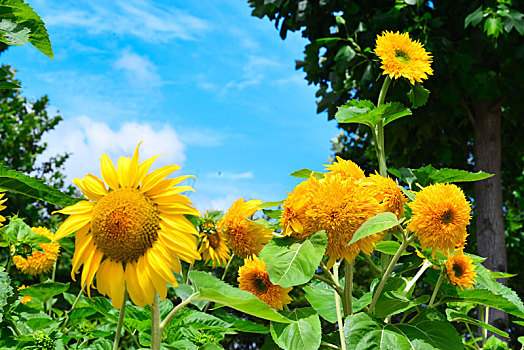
(365, 112)
(45, 291)
(210, 288)
(21, 24)
(32, 187)
(305, 333)
(430, 330)
(239, 324)
(428, 175)
(389, 247)
(418, 95)
(5, 290)
(291, 261)
(322, 297)
(375, 224)
(394, 111)
(456, 316)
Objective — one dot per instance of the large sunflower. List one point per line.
(39, 262)
(402, 57)
(388, 193)
(460, 270)
(253, 278)
(440, 216)
(2, 207)
(294, 220)
(213, 245)
(346, 168)
(246, 238)
(340, 207)
(133, 234)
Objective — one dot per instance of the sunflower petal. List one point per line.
(158, 282)
(116, 283)
(70, 225)
(143, 168)
(148, 291)
(133, 287)
(156, 176)
(82, 207)
(108, 172)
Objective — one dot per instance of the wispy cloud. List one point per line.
(140, 71)
(231, 176)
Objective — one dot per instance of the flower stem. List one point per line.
(339, 313)
(120, 322)
(411, 283)
(336, 286)
(372, 264)
(227, 266)
(439, 282)
(156, 332)
(348, 288)
(71, 309)
(168, 318)
(391, 265)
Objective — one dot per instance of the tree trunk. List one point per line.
(491, 242)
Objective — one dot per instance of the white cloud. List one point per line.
(87, 140)
(138, 18)
(231, 176)
(139, 69)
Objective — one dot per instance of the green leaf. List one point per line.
(211, 288)
(345, 54)
(104, 306)
(389, 247)
(273, 214)
(267, 205)
(239, 324)
(394, 111)
(328, 42)
(8, 85)
(45, 291)
(321, 296)
(291, 261)
(517, 19)
(393, 302)
(304, 333)
(456, 316)
(30, 26)
(430, 330)
(493, 26)
(474, 18)
(306, 174)
(32, 187)
(38, 323)
(376, 224)
(340, 20)
(5, 290)
(364, 301)
(428, 175)
(418, 95)
(496, 274)
(356, 112)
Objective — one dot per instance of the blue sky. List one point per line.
(203, 82)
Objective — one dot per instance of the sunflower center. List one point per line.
(214, 239)
(260, 285)
(447, 217)
(402, 56)
(458, 270)
(125, 224)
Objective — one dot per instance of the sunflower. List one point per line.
(346, 168)
(245, 237)
(461, 245)
(39, 262)
(253, 278)
(294, 220)
(402, 57)
(388, 193)
(440, 216)
(340, 207)
(137, 225)
(460, 270)
(26, 298)
(213, 246)
(2, 207)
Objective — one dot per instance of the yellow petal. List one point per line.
(116, 283)
(85, 190)
(175, 209)
(163, 185)
(70, 225)
(90, 267)
(156, 176)
(154, 260)
(83, 245)
(132, 285)
(159, 283)
(124, 172)
(95, 185)
(103, 277)
(143, 168)
(148, 291)
(108, 172)
(82, 207)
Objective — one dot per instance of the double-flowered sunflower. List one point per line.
(246, 237)
(39, 262)
(294, 220)
(132, 233)
(460, 270)
(388, 193)
(253, 278)
(441, 214)
(402, 57)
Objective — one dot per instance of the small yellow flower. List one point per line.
(2, 207)
(39, 262)
(253, 278)
(388, 193)
(460, 270)
(245, 237)
(346, 168)
(402, 57)
(440, 216)
(213, 246)
(26, 298)
(294, 220)
(461, 245)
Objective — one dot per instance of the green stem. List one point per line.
(156, 333)
(329, 345)
(348, 288)
(335, 286)
(411, 283)
(50, 301)
(439, 282)
(227, 266)
(484, 330)
(187, 274)
(472, 337)
(372, 264)
(72, 307)
(13, 325)
(177, 308)
(120, 322)
(391, 265)
(339, 313)
(384, 91)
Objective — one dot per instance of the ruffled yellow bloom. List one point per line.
(402, 57)
(213, 246)
(39, 262)
(340, 207)
(461, 245)
(137, 225)
(388, 193)
(440, 216)
(460, 270)
(253, 278)
(346, 168)
(2, 207)
(294, 220)
(26, 298)
(245, 237)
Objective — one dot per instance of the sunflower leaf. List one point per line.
(322, 298)
(418, 95)
(5, 290)
(18, 182)
(394, 111)
(45, 291)
(456, 316)
(306, 174)
(304, 333)
(291, 261)
(376, 224)
(428, 175)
